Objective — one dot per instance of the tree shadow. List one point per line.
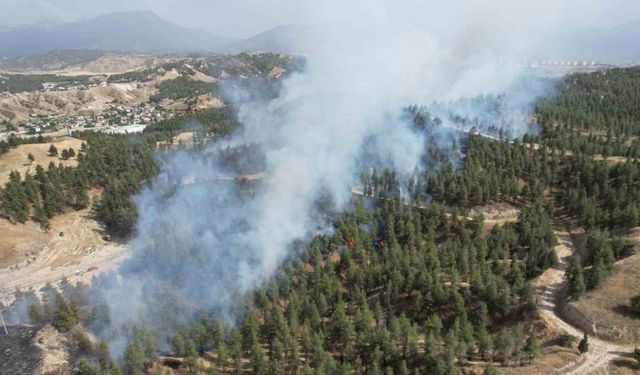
(626, 311)
(627, 363)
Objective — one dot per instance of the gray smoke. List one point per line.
(205, 245)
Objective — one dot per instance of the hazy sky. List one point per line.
(243, 18)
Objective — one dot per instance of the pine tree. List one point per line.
(13, 200)
(490, 369)
(102, 354)
(635, 303)
(531, 347)
(258, 361)
(583, 346)
(66, 314)
(236, 350)
(485, 343)
(41, 216)
(339, 326)
(134, 359)
(31, 188)
(576, 288)
(53, 150)
(597, 274)
(35, 313)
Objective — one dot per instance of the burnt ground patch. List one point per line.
(18, 353)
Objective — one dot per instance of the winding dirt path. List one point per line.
(550, 287)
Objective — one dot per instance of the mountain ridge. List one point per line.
(136, 31)
(278, 39)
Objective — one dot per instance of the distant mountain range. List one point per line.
(280, 39)
(617, 45)
(122, 32)
(145, 32)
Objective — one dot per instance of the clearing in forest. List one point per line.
(608, 307)
(75, 243)
(16, 158)
(494, 214)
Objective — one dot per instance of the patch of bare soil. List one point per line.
(16, 158)
(199, 76)
(496, 214)
(276, 72)
(181, 139)
(55, 351)
(74, 248)
(113, 63)
(206, 101)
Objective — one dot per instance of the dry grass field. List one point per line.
(19, 242)
(608, 306)
(16, 158)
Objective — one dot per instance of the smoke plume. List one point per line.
(205, 245)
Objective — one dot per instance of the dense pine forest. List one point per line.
(400, 286)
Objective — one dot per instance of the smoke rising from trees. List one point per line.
(204, 246)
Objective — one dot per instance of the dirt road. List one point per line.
(551, 287)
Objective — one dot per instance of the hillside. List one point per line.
(83, 62)
(122, 31)
(177, 83)
(280, 39)
(52, 60)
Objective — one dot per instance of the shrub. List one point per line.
(53, 150)
(635, 303)
(566, 339)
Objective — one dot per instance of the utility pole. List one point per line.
(2, 319)
(5, 307)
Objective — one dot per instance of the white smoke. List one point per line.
(366, 60)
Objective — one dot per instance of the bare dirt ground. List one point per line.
(496, 214)
(113, 63)
(199, 76)
(16, 158)
(55, 351)
(181, 139)
(207, 101)
(550, 287)
(50, 257)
